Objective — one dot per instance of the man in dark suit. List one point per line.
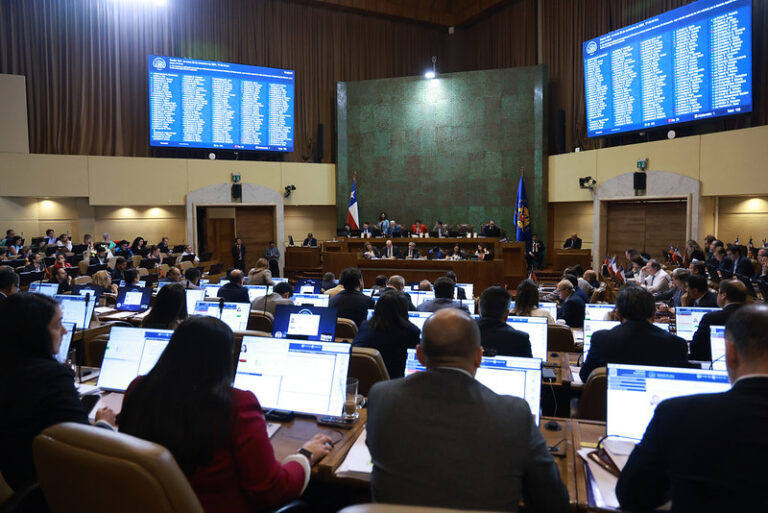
(440, 438)
(9, 282)
(311, 241)
(636, 340)
(100, 258)
(704, 451)
(731, 297)
(234, 292)
(397, 284)
(351, 303)
(496, 336)
(390, 251)
(460, 294)
(534, 252)
(762, 272)
(491, 230)
(574, 242)
(699, 293)
(412, 253)
(742, 266)
(721, 260)
(163, 245)
(36, 263)
(366, 231)
(444, 289)
(573, 307)
(117, 274)
(238, 254)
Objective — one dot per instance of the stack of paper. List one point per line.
(358, 461)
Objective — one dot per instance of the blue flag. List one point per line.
(522, 215)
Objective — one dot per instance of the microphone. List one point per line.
(711, 365)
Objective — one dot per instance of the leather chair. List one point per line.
(398, 508)
(260, 321)
(83, 265)
(112, 472)
(593, 402)
(346, 329)
(560, 338)
(368, 367)
(82, 280)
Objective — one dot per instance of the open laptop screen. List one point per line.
(311, 299)
(66, 340)
(95, 291)
(305, 322)
(505, 375)
(551, 308)
(687, 320)
(211, 289)
(594, 312)
(469, 290)
(130, 352)
(717, 346)
(419, 296)
(634, 391)
(304, 377)
(193, 296)
(536, 327)
(133, 299)
(76, 309)
(419, 318)
(46, 289)
(255, 291)
(234, 315)
(141, 284)
(590, 327)
(308, 286)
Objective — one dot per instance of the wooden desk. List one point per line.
(298, 259)
(586, 433)
(562, 258)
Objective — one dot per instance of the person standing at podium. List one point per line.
(310, 241)
(573, 242)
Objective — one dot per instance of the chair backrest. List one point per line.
(345, 329)
(164, 268)
(136, 259)
(592, 405)
(560, 338)
(368, 367)
(143, 271)
(94, 348)
(184, 265)
(82, 280)
(260, 321)
(113, 472)
(398, 508)
(83, 265)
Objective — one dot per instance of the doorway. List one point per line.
(649, 226)
(217, 227)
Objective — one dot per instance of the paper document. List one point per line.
(603, 482)
(122, 315)
(358, 461)
(272, 428)
(101, 310)
(86, 389)
(575, 377)
(618, 450)
(113, 400)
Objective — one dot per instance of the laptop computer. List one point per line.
(193, 296)
(687, 320)
(505, 375)
(130, 352)
(234, 315)
(717, 347)
(597, 312)
(634, 391)
(133, 299)
(305, 322)
(46, 289)
(303, 377)
(95, 291)
(142, 284)
(536, 327)
(255, 291)
(211, 289)
(591, 326)
(77, 310)
(311, 299)
(551, 308)
(469, 290)
(418, 318)
(308, 286)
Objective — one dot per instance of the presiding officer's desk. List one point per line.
(507, 268)
(562, 258)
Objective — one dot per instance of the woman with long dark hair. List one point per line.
(36, 391)
(138, 245)
(527, 302)
(390, 331)
(169, 310)
(216, 433)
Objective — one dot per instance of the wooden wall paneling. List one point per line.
(256, 227)
(626, 228)
(220, 234)
(665, 224)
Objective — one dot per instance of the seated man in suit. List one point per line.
(441, 229)
(281, 295)
(36, 263)
(395, 230)
(742, 266)
(534, 252)
(762, 272)
(397, 284)
(496, 336)
(366, 231)
(192, 279)
(234, 292)
(100, 258)
(673, 297)
(174, 275)
(721, 260)
(117, 274)
(731, 296)
(460, 294)
(573, 307)
(574, 242)
(577, 289)
(163, 245)
(439, 438)
(351, 303)
(703, 451)
(636, 340)
(657, 280)
(491, 230)
(311, 241)
(9, 282)
(412, 253)
(390, 252)
(444, 289)
(698, 292)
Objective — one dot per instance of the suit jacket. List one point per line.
(415, 254)
(96, 261)
(238, 253)
(573, 311)
(440, 438)
(39, 394)
(490, 231)
(530, 249)
(234, 293)
(352, 305)
(407, 296)
(702, 452)
(392, 344)
(708, 300)
(634, 343)
(743, 267)
(700, 347)
(499, 338)
(433, 305)
(310, 242)
(384, 253)
(269, 303)
(726, 264)
(572, 243)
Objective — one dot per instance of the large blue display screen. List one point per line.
(205, 104)
(691, 63)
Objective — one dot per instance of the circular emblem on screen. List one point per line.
(158, 63)
(591, 47)
(305, 311)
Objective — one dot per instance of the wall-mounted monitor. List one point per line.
(687, 64)
(219, 105)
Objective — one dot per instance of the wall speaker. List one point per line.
(237, 191)
(319, 148)
(639, 181)
(560, 131)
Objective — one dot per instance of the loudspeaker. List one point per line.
(319, 148)
(639, 181)
(560, 131)
(237, 191)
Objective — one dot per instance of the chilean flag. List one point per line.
(352, 219)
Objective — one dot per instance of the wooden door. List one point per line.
(219, 237)
(647, 226)
(256, 227)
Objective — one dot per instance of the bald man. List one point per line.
(440, 438)
(731, 296)
(234, 292)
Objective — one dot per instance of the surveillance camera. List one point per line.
(288, 190)
(587, 182)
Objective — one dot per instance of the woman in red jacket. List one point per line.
(216, 433)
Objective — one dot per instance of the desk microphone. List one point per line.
(711, 365)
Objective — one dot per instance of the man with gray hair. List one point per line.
(397, 283)
(440, 438)
(657, 280)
